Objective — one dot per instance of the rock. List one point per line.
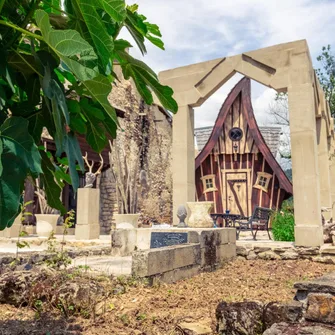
(241, 251)
(321, 308)
(239, 318)
(252, 256)
(298, 329)
(119, 289)
(325, 284)
(195, 328)
(328, 228)
(257, 250)
(280, 250)
(82, 295)
(15, 286)
(324, 259)
(313, 251)
(289, 254)
(275, 312)
(268, 255)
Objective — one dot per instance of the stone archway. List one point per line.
(285, 68)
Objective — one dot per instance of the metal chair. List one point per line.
(260, 218)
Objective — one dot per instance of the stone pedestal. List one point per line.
(88, 209)
(14, 230)
(199, 216)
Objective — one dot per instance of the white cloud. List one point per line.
(199, 30)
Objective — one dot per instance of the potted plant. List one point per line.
(46, 222)
(128, 180)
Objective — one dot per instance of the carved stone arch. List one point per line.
(284, 67)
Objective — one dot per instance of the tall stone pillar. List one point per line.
(306, 185)
(332, 174)
(324, 173)
(88, 210)
(183, 161)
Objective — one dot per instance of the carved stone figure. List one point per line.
(182, 215)
(90, 176)
(89, 179)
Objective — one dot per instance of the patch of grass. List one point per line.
(283, 223)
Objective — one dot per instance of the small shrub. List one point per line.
(283, 223)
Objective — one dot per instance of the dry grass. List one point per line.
(157, 310)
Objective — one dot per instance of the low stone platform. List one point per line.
(206, 250)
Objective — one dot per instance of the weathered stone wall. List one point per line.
(325, 254)
(108, 201)
(148, 130)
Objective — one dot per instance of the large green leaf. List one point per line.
(146, 80)
(52, 189)
(69, 46)
(99, 89)
(140, 29)
(103, 42)
(74, 156)
(19, 157)
(116, 9)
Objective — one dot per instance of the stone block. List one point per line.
(241, 251)
(289, 255)
(257, 250)
(186, 255)
(178, 274)
(252, 255)
(321, 308)
(160, 260)
(225, 252)
(278, 312)
(87, 232)
(324, 284)
(244, 316)
(123, 241)
(88, 207)
(268, 255)
(143, 238)
(216, 236)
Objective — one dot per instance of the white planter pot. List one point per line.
(200, 217)
(126, 221)
(46, 223)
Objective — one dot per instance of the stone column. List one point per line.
(88, 209)
(183, 161)
(306, 185)
(323, 159)
(332, 174)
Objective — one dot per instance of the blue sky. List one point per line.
(200, 30)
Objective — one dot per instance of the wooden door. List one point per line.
(237, 192)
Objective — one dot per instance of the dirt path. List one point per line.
(157, 310)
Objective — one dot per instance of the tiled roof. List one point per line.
(271, 137)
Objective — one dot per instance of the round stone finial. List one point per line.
(182, 215)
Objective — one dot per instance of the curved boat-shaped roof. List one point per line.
(244, 87)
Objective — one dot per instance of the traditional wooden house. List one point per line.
(236, 168)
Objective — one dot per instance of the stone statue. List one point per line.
(90, 176)
(89, 179)
(182, 215)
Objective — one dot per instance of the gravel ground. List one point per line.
(158, 310)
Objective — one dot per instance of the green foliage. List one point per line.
(283, 223)
(327, 76)
(57, 60)
(60, 256)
